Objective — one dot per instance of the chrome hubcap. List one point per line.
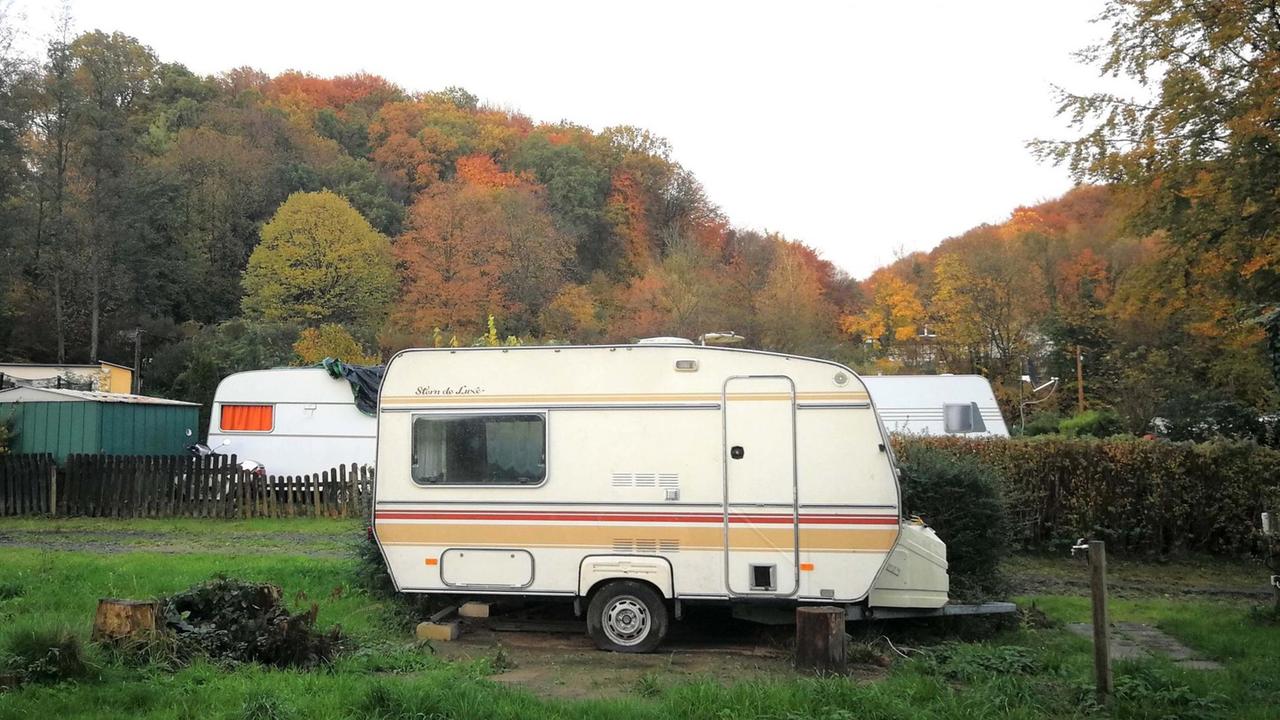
(626, 620)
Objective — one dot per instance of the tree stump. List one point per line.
(118, 621)
(820, 645)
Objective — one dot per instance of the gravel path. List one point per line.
(176, 543)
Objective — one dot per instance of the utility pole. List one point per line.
(1079, 381)
(137, 361)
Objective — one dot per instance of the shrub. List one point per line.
(1093, 423)
(960, 499)
(47, 655)
(1142, 496)
(1045, 423)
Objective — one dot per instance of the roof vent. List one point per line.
(664, 341)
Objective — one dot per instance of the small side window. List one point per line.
(962, 418)
(247, 418)
(479, 450)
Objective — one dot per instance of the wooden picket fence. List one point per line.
(26, 483)
(176, 486)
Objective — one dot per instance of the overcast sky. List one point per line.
(860, 128)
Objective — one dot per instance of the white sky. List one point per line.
(860, 128)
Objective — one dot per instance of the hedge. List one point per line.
(1146, 497)
(959, 497)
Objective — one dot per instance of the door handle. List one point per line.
(736, 452)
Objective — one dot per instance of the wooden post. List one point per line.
(53, 488)
(1101, 623)
(820, 643)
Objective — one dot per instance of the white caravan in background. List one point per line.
(937, 404)
(634, 479)
(292, 421)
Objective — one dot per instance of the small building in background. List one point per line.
(99, 377)
(66, 422)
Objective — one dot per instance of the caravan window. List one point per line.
(963, 418)
(479, 450)
(247, 418)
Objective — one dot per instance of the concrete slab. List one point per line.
(474, 610)
(441, 632)
(1134, 641)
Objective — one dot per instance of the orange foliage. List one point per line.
(453, 270)
(295, 88)
(483, 171)
(626, 209)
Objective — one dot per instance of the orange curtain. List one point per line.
(246, 418)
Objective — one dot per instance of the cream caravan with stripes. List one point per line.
(675, 472)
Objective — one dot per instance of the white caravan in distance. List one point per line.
(937, 404)
(292, 421)
(634, 479)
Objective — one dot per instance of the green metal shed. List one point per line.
(66, 422)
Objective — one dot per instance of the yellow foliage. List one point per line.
(331, 341)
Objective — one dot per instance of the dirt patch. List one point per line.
(564, 663)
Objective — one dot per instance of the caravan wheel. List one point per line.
(627, 616)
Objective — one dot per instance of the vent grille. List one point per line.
(645, 546)
(645, 480)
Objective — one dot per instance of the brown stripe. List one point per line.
(688, 538)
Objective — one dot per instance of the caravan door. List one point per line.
(761, 498)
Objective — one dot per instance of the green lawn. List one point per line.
(1025, 673)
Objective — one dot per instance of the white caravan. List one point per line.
(635, 479)
(936, 404)
(292, 421)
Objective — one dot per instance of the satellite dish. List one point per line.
(721, 338)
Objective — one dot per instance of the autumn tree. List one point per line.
(894, 314)
(320, 261)
(571, 316)
(475, 247)
(794, 315)
(331, 340)
(1197, 145)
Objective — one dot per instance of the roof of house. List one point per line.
(96, 366)
(30, 394)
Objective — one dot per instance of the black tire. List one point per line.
(627, 616)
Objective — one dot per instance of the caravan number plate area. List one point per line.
(486, 568)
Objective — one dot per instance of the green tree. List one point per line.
(112, 74)
(320, 261)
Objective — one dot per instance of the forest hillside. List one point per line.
(243, 220)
